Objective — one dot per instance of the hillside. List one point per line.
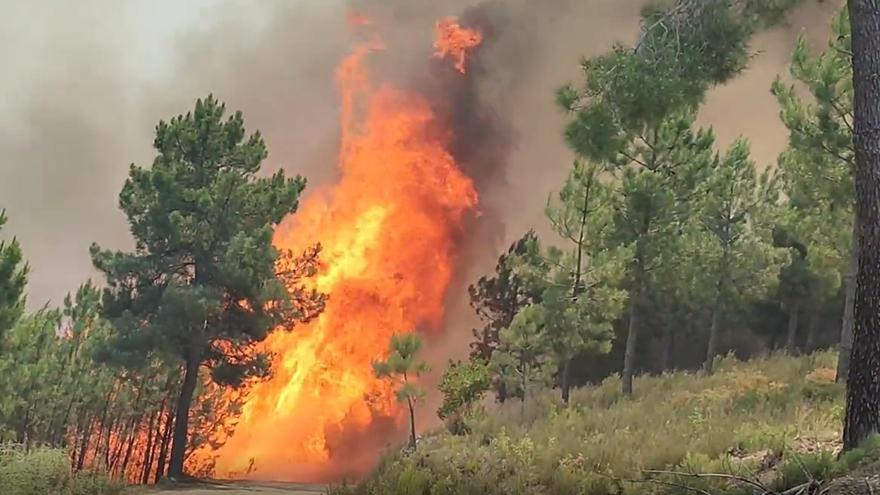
(774, 421)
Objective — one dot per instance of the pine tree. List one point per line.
(578, 283)
(522, 360)
(733, 204)
(200, 288)
(402, 367)
(635, 99)
(13, 279)
(819, 164)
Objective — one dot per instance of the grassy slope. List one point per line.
(773, 419)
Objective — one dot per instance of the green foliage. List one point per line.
(577, 285)
(685, 48)
(203, 271)
(463, 385)
(13, 279)
(817, 167)
(522, 362)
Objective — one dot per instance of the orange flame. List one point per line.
(454, 41)
(386, 229)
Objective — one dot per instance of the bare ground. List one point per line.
(240, 488)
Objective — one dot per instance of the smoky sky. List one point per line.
(84, 88)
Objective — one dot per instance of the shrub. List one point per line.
(47, 471)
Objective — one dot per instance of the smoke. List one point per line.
(88, 82)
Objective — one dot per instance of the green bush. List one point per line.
(47, 471)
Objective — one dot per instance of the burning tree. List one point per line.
(200, 288)
(402, 367)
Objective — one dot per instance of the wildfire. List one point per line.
(453, 40)
(386, 229)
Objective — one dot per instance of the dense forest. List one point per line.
(668, 254)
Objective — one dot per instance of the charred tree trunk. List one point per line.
(153, 432)
(846, 325)
(163, 447)
(863, 382)
(132, 438)
(791, 338)
(84, 444)
(181, 420)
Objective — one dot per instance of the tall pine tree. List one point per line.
(200, 288)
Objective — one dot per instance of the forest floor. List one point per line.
(241, 488)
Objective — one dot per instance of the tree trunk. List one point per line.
(863, 382)
(412, 423)
(791, 340)
(846, 326)
(181, 420)
(163, 446)
(565, 381)
(629, 355)
(152, 436)
(666, 363)
(714, 329)
(84, 445)
(813, 331)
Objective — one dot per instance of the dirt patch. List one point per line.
(239, 488)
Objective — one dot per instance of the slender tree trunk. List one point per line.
(132, 438)
(629, 355)
(84, 445)
(846, 325)
(525, 385)
(715, 325)
(163, 447)
(181, 421)
(148, 450)
(412, 423)
(791, 339)
(565, 381)
(668, 347)
(863, 383)
(813, 331)
(714, 329)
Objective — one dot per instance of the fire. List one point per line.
(386, 230)
(453, 40)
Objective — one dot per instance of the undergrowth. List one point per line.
(47, 472)
(775, 420)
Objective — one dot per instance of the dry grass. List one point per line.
(748, 418)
